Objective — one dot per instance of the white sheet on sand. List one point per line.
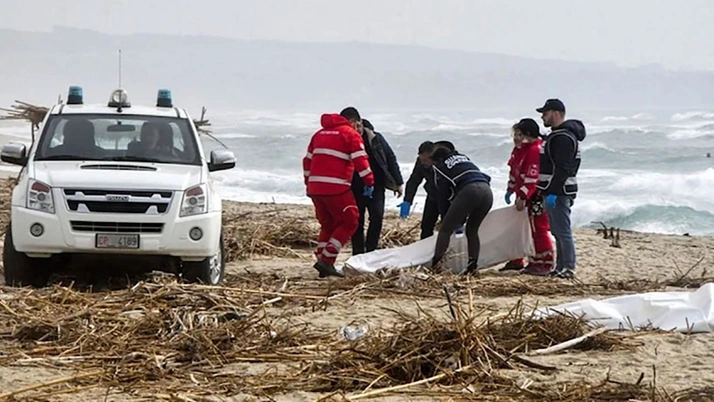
(505, 235)
(679, 311)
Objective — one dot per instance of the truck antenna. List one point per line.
(119, 68)
(119, 104)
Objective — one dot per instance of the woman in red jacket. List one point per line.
(523, 178)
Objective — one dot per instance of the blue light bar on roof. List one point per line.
(75, 96)
(163, 98)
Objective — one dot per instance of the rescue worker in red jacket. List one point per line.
(335, 153)
(525, 167)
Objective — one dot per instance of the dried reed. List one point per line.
(422, 346)
(398, 233)
(148, 332)
(170, 337)
(279, 237)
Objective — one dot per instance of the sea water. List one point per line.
(641, 170)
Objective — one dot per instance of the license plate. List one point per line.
(117, 240)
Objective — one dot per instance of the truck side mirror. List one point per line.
(14, 153)
(221, 159)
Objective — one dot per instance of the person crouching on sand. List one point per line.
(522, 182)
(335, 152)
(464, 194)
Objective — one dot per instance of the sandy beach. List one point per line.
(272, 275)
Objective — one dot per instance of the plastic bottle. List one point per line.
(353, 332)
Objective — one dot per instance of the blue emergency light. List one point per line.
(75, 96)
(163, 98)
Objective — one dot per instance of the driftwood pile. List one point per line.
(278, 233)
(187, 342)
(271, 235)
(464, 350)
(5, 200)
(184, 340)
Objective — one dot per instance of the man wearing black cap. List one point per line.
(559, 165)
(387, 175)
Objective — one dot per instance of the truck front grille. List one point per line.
(121, 207)
(118, 201)
(117, 227)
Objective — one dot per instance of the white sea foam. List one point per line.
(648, 183)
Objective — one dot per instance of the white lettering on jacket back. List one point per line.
(452, 161)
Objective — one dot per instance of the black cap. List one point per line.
(552, 104)
(528, 127)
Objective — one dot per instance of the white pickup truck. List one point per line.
(112, 181)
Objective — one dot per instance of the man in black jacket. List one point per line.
(387, 176)
(559, 165)
(423, 172)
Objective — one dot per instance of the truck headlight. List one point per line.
(194, 201)
(39, 197)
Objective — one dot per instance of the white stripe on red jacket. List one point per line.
(334, 154)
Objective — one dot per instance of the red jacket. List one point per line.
(525, 166)
(334, 154)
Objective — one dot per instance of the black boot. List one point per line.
(511, 266)
(435, 265)
(326, 269)
(472, 267)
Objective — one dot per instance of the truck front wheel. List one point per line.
(210, 271)
(21, 270)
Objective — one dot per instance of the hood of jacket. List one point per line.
(332, 120)
(369, 135)
(530, 143)
(574, 126)
(521, 150)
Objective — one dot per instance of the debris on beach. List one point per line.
(156, 333)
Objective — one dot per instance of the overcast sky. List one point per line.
(677, 34)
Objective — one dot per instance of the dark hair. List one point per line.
(350, 113)
(426, 146)
(440, 153)
(528, 127)
(367, 124)
(446, 144)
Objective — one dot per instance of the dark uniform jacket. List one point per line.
(455, 172)
(560, 159)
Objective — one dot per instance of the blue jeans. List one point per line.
(559, 217)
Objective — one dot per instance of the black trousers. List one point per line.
(472, 202)
(375, 207)
(429, 217)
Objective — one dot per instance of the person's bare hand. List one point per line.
(520, 204)
(399, 192)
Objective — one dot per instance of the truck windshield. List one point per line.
(118, 138)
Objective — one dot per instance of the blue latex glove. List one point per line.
(368, 191)
(404, 209)
(550, 200)
(508, 197)
(459, 229)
